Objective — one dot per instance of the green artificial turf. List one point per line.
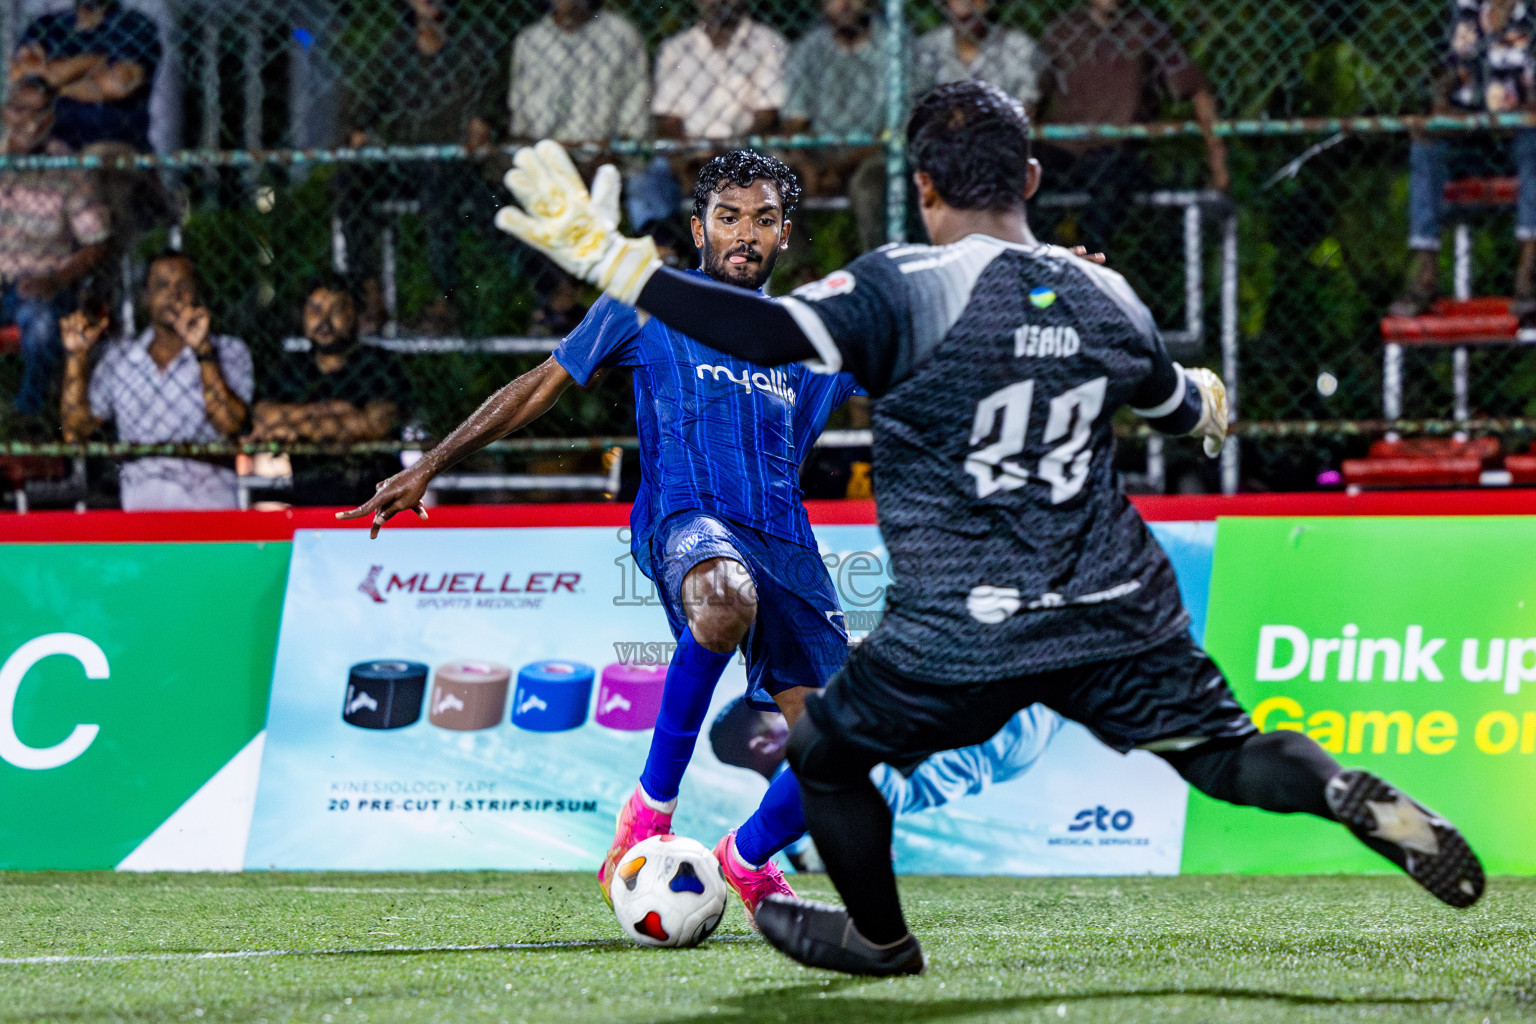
(1123, 949)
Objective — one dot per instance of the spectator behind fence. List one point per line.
(1107, 61)
(175, 382)
(1488, 67)
(102, 59)
(579, 74)
(436, 81)
(53, 231)
(338, 393)
(972, 45)
(720, 79)
(837, 86)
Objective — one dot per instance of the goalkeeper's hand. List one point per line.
(577, 230)
(1213, 409)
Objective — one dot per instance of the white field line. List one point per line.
(250, 954)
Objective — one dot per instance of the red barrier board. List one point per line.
(133, 527)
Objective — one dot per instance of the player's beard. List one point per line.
(751, 275)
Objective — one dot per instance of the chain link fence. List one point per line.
(331, 167)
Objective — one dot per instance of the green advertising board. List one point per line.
(130, 675)
(1404, 646)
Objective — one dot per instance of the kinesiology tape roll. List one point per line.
(630, 696)
(384, 694)
(469, 695)
(552, 696)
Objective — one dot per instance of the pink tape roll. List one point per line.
(630, 697)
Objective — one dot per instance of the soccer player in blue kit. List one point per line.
(719, 523)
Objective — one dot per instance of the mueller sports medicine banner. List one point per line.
(484, 699)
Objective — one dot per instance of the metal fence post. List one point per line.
(895, 118)
(1231, 457)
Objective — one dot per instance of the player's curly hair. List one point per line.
(972, 139)
(741, 168)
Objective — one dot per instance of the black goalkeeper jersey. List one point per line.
(997, 370)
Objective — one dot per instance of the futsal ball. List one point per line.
(669, 891)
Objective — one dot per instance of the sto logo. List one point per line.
(12, 749)
(1102, 819)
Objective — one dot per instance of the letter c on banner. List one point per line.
(16, 667)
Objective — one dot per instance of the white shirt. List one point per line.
(155, 406)
(588, 85)
(715, 92)
(1007, 58)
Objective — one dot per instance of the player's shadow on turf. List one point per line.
(810, 1004)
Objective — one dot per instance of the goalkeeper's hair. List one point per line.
(740, 168)
(972, 139)
(732, 732)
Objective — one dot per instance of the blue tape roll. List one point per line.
(384, 694)
(552, 696)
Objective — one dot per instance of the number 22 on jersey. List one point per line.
(1005, 413)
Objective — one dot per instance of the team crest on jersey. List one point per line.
(838, 283)
(1041, 297)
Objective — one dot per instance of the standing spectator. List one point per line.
(339, 392)
(1107, 60)
(837, 76)
(436, 82)
(102, 59)
(175, 382)
(53, 231)
(972, 45)
(720, 79)
(1489, 67)
(579, 74)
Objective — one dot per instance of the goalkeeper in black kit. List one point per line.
(1023, 574)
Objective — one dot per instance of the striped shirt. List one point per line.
(46, 216)
(717, 434)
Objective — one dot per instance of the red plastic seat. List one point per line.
(10, 339)
(18, 469)
(1482, 191)
(1424, 462)
(1454, 322)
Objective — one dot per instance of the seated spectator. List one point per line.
(973, 45)
(102, 58)
(837, 75)
(53, 230)
(579, 74)
(338, 392)
(1107, 60)
(722, 78)
(436, 80)
(175, 382)
(1489, 67)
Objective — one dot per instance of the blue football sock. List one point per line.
(778, 821)
(691, 680)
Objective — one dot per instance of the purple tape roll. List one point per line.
(630, 696)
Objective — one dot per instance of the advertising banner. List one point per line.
(133, 682)
(484, 699)
(1404, 646)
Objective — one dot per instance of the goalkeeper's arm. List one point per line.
(1174, 400)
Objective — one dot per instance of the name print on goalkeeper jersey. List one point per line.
(1013, 549)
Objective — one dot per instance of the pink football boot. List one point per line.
(751, 884)
(637, 820)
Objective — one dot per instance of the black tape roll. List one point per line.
(384, 694)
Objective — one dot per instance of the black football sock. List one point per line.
(1281, 771)
(851, 824)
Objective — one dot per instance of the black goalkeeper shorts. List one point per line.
(1164, 699)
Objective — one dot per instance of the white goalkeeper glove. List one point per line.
(578, 231)
(1213, 409)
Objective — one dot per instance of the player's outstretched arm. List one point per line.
(513, 407)
(1196, 404)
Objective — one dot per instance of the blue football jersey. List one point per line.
(717, 434)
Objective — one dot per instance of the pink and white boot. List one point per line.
(638, 820)
(753, 885)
